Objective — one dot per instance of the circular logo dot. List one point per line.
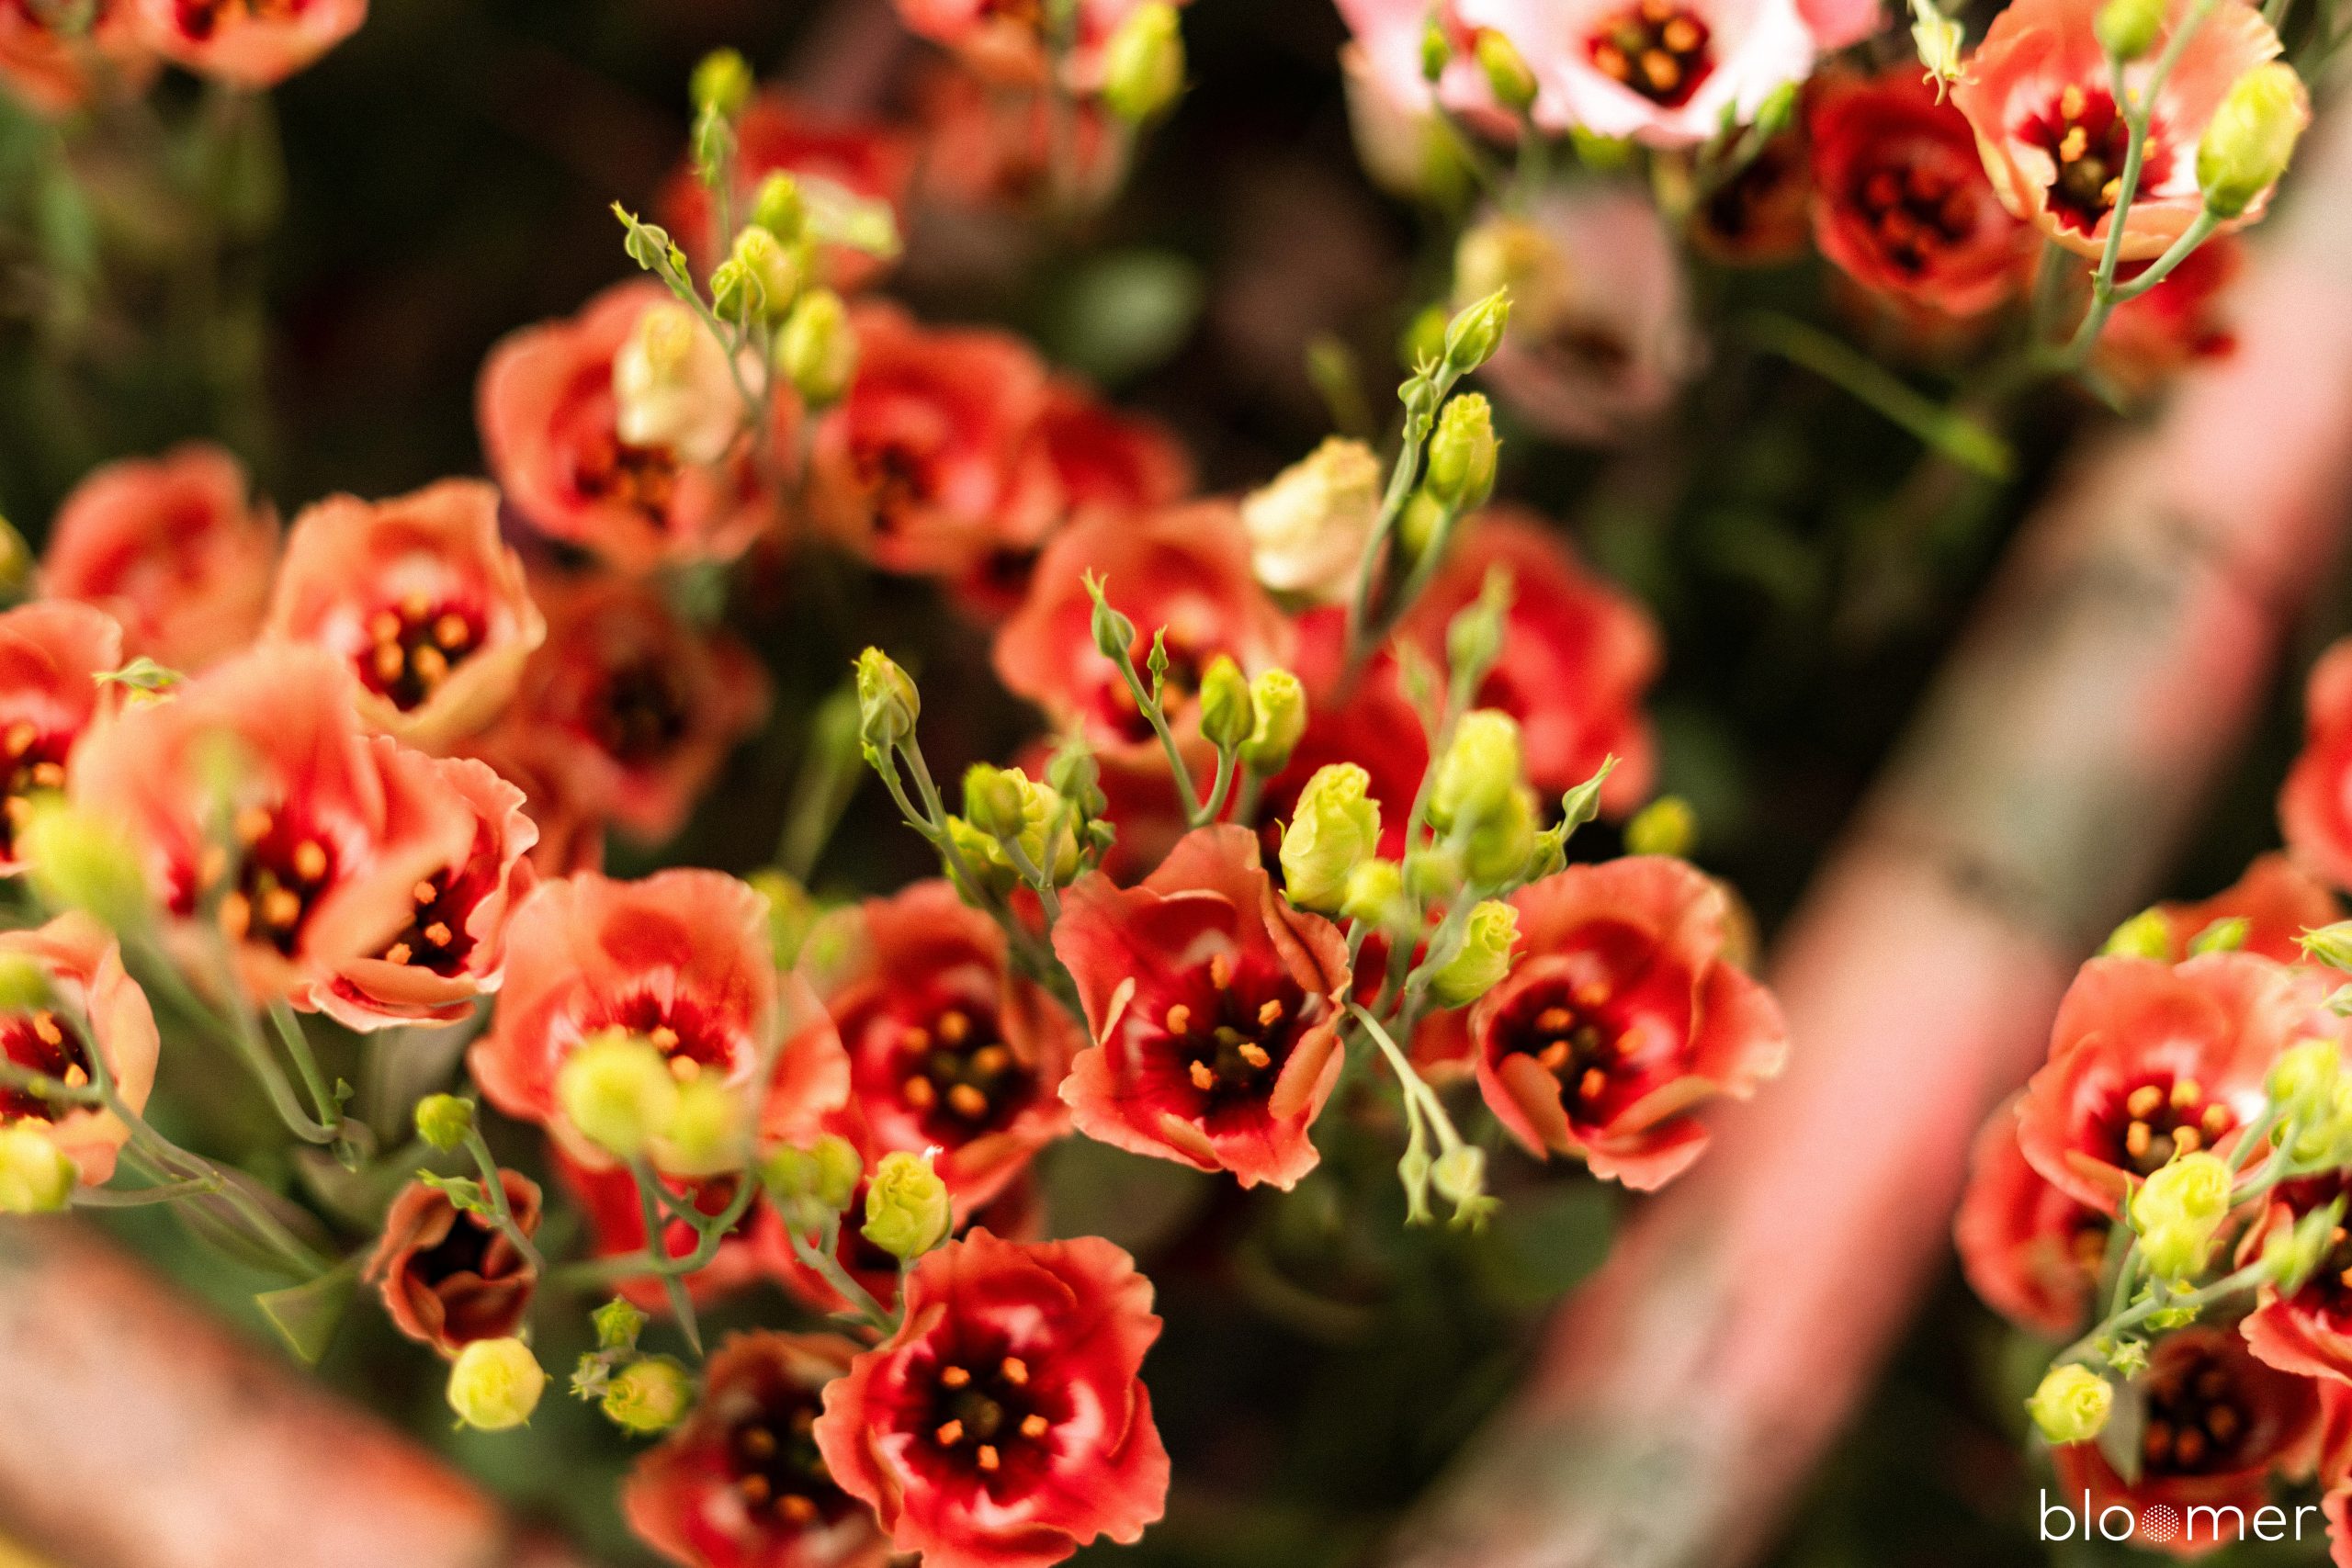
(2159, 1523)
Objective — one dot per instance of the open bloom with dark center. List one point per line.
(1762, 215)
(2039, 95)
(1577, 654)
(550, 428)
(420, 599)
(948, 1048)
(171, 547)
(85, 968)
(776, 134)
(1184, 572)
(635, 708)
(1899, 200)
(453, 948)
(741, 1484)
(51, 658)
(2184, 318)
(2315, 806)
(2148, 1059)
(449, 1277)
(682, 959)
(2219, 1425)
(1621, 1016)
(2030, 1251)
(248, 43)
(608, 1201)
(1004, 1425)
(916, 467)
(1666, 72)
(256, 802)
(2308, 1332)
(2277, 900)
(1214, 1006)
(52, 71)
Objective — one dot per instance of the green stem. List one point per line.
(820, 1258)
(682, 1304)
(1955, 435)
(493, 1187)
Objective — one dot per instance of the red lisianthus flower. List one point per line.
(314, 858)
(248, 43)
(51, 658)
(607, 1199)
(682, 958)
(739, 1483)
(2039, 96)
(1762, 216)
(915, 468)
(2310, 1332)
(550, 428)
(1004, 1425)
(1184, 571)
(83, 965)
(2218, 1425)
(2183, 319)
(421, 600)
(777, 134)
(1215, 1010)
(2147, 1059)
(1008, 43)
(2029, 1250)
(638, 708)
(1900, 199)
(948, 1048)
(449, 1277)
(53, 72)
(2278, 901)
(453, 949)
(1577, 654)
(562, 803)
(989, 148)
(1619, 1017)
(171, 547)
(2315, 806)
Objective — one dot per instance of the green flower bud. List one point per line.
(1434, 875)
(1227, 716)
(1602, 154)
(648, 1396)
(1278, 718)
(816, 349)
(1460, 1176)
(1479, 771)
(1474, 638)
(1423, 340)
(1487, 938)
(1937, 39)
(779, 208)
(2295, 1252)
(1472, 337)
(2222, 936)
(708, 1132)
(1667, 826)
(906, 1207)
(1508, 76)
(2127, 29)
(35, 1178)
(995, 800)
(1376, 897)
(809, 1184)
(496, 1384)
(1503, 842)
(2331, 945)
(1115, 635)
(1142, 64)
(443, 1121)
(982, 856)
(769, 277)
(1077, 777)
(1335, 826)
(1417, 524)
(2176, 1212)
(888, 703)
(1437, 50)
(617, 1324)
(616, 1091)
(2303, 1079)
(2071, 1405)
(1461, 453)
(82, 862)
(722, 83)
(2147, 934)
(2251, 138)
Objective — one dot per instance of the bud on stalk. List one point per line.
(496, 1384)
(1143, 64)
(816, 349)
(1335, 827)
(2251, 138)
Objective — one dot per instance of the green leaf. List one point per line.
(1127, 312)
(307, 1315)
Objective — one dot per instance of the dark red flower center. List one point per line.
(689, 1035)
(991, 1416)
(1226, 1039)
(899, 475)
(773, 1466)
(1656, 49)
(2157, 1117)
(35, 761)
(638, 715)
(642, 478)
(413, 645)
(1569, 1031)
(200, 18)
(959, 1077)
(464, 1251)
(436, 936)
(2329, 1289)
(282, 868)
(1917, 203)
(45, 1044)
(2198, 1419)
(2086, 137)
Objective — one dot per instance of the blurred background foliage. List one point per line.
(314, 279)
